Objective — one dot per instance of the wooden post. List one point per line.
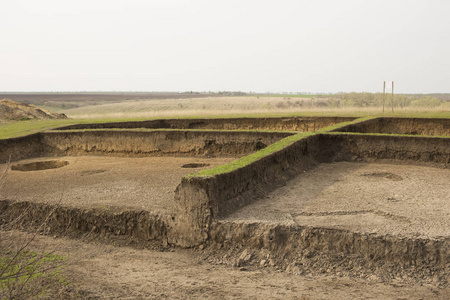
(392, 96)
(384, 93)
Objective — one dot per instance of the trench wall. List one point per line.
(201, 200)
(303, 124)
(141, 226)
(315, 248)
(415, 126)
(136, 143)
(13, 149)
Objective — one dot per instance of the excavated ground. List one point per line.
(139, 183)
(383, 199)
(355, 205)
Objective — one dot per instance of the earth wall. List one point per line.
(201, 200)
(415, 126)
(301, 249)
(140, 227)
(303, 124)
(136, 143)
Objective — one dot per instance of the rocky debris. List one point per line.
(17, 111)
(244, 258)
(308, 259)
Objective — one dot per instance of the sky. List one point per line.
(319, 46)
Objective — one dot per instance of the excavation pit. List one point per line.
(104, 182)
(410, 126)
(347, 200)
(368, 198)
(195, 165)
(40, 165)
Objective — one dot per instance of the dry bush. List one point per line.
(27, 273)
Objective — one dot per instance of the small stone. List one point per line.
(262, 263)
(244, 258)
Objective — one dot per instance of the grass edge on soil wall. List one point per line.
(277, 146)
(21, 128)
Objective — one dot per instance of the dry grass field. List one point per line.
(168, 105)
(229, 106)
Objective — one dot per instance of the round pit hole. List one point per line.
(92, 172)
(194, 165)
(40, 165)
(388, 175)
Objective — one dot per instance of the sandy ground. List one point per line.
(146, 183)
(110, 272)
(401, 200)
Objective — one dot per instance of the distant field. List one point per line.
(229, 106)
(110, 107)
(72, 100)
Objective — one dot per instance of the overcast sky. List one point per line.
(246, 45)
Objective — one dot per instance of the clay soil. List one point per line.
(99, 271)
(146, 183)
(402, 200)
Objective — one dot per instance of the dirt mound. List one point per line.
(16, 111)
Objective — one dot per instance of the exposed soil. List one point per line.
(107, 272)
(413, 126)
(134, 143)
(403, 200)
(145, 183)
(318, 206)
(303, 124)
(11, 110)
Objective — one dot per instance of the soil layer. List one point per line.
(303, 124)
(141, 183)
(99, 271)
(414, 126)
(137, 143)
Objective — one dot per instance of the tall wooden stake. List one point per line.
(392, 96)
(384, 93)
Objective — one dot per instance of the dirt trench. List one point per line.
(137, 143)
(213, 200)
(303, 124)
(413, 126)
(202, 204)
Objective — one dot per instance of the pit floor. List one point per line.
(404, 200)
(146, 183)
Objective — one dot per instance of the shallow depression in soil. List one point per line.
(146, 183)
(40, 165)
(364, 197)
